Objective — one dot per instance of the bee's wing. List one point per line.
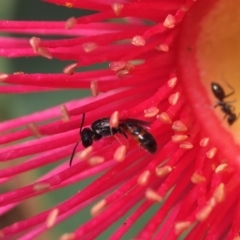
(136, 121)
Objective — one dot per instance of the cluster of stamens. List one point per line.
(186, 174)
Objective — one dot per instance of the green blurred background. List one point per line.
(12, 106)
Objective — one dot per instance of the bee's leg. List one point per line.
(117, 138)
(122, 132)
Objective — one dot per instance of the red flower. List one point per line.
(159, 72)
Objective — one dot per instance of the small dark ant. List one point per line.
(225, 106)
(101, 128)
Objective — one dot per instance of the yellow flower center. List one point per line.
(208, 62)
(218, 57)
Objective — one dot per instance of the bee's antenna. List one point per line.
(71, 159)
(83, 119)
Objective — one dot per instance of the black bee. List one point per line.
(138, 130)
(225, 106)
(101, 128)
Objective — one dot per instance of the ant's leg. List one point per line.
(231, 93)
(225, 116)
(220, 104)
(225, 104)
(232, 108)
(238, 116)
(229, 102)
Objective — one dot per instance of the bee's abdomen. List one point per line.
(143, 137)
(149, 143)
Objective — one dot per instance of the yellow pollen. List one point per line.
(69, 70)
(130, 65)
(85, 154)
(51, 219)
(179, 126)
(120, 153)
(143, 178)
(41, 186)
(219, 193)
(116, 66)
(117, 8)
(186, 145)
(138, 41)
(64, 112)
(204, 142)
(179, 138)
(44, 52)
(162, 47)
(3, 76)
(35, 42)
(163, 171)
(18, 73)
(33, 128)
(151, 112)
(70, 23)
(172, 82)
(211, 153)
(98, 208)
(94, 88)
(164, 117)
(185, 8)
(173, 99)
(152, 195)
(67, 236)
(89, 47)
(68, 5)
(204, 213)
(96, 160)
(212, 202)
(181, 226)
(169, 21)
(122, 73)
(114, 120)
(221, 167)
(197, 178)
